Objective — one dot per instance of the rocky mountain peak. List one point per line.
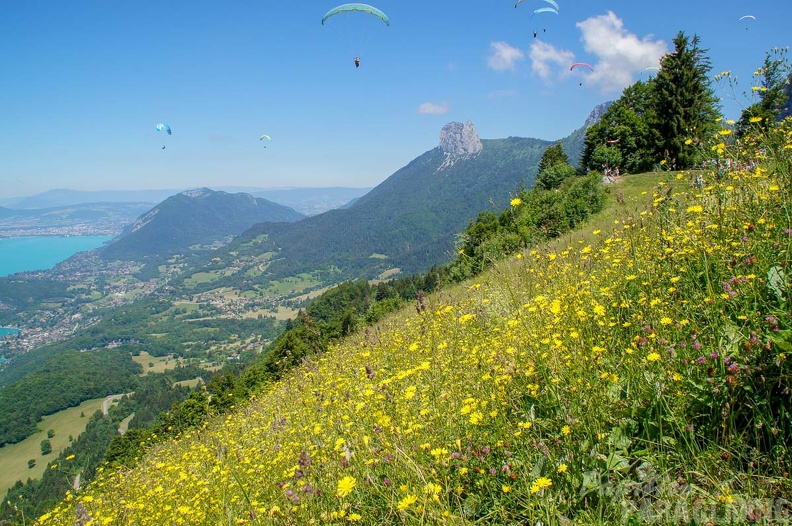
(460, 139)
(197, 192)
(596, 114)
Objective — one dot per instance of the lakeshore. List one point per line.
(33, 253)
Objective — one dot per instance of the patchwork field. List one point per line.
(155, 364)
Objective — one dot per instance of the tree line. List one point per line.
(668, 120)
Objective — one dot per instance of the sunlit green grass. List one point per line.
(14, 458)
(155, 364)
(201, 277)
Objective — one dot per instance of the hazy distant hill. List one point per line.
(312, 201)
(65, 197)
(83, 219)
(410, 220)
(195, 217)
(308, 201)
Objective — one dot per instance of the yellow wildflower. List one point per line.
(540, 484)
(406, 502)
(345, 486)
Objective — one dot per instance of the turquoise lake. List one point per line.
(18, 254)
(5, 331)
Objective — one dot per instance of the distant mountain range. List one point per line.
(308, 201)
(194, 219)
(80, 219)
(410, 220)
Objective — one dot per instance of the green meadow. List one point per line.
(14, 457)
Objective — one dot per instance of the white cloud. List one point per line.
(504, 57)
(430, 108)
(546, 58)
(620, 54)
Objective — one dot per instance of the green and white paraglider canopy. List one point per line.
(363, 8)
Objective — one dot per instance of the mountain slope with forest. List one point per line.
(196, 217)
(409, 221)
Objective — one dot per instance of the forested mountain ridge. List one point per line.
(408, 222)
(194, 217)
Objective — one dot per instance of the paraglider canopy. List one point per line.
(545, 10)
(747, 16)
(363, 8)
(579, 64)
(554, 9)
(164, 127)
(265, 137)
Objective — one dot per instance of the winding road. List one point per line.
(109, 400)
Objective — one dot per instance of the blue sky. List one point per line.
(84, 83)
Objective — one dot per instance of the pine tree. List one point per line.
(554, 167)
(552, 155)
(683, 103)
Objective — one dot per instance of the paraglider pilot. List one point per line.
(357, 62)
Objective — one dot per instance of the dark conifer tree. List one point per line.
(683, 104)
(552, 155)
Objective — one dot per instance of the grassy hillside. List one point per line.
(67, 423)
(636, 371)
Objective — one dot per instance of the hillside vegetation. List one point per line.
(637, 372)
(195, 217)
